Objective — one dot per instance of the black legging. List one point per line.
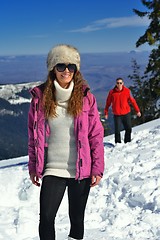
(52, 192)
(126, 121)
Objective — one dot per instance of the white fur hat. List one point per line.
(63, 54)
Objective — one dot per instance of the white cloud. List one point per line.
(132, 21)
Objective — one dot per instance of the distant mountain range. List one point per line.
(99, 69)
(14, 106)
(18, 74)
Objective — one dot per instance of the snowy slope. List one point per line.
(13, 92)
(126, 205)
(14, 105)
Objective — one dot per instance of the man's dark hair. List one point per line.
(119, 78)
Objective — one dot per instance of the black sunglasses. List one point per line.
(119, 82)
(61, 67)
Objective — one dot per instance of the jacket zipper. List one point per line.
(36, 129)
(80, 161)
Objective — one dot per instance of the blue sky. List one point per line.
(35, 26)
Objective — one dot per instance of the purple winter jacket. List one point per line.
(89, 134)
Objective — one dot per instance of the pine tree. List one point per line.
(137, 88)
(152, 37)
(141, 92)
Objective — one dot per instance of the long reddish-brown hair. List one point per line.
(75, 102)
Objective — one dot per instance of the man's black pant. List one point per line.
(126, 121)
(52, 192)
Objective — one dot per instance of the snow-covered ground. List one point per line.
(11, 92)
(126, 204)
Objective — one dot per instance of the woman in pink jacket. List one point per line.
(65, 143)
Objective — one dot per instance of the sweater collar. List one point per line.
(63, 94)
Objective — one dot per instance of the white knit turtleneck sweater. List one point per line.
(62, 153)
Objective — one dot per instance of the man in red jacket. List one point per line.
(120, 98)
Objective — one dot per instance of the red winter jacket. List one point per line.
(120, 101)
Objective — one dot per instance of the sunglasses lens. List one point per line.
(119, 82)
(61, 67)
(72, 67)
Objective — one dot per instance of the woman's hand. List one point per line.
(95, 180)
(35, 179)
